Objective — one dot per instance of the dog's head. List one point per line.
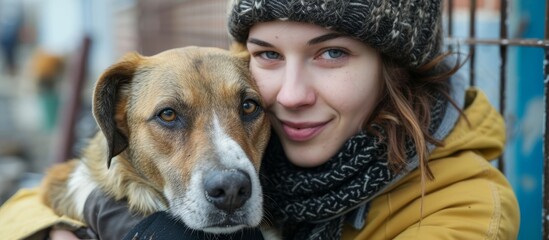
(191, 122)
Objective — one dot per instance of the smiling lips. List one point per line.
(301, 132)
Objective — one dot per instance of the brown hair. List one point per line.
(404, 109)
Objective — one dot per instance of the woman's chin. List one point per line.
(307, 156)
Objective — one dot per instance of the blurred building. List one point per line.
(35, 102)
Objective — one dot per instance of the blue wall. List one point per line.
(526, 142)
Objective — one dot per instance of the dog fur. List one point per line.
(159, 163)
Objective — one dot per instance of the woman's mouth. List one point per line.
(302, 131)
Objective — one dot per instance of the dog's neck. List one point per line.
(121, 180)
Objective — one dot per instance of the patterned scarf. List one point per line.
(311, 203)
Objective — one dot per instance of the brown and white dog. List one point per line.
(182, 131)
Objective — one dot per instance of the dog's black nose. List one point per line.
(228, 190)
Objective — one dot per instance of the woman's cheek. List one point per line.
(267, 86)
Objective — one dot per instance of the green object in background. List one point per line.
(49, 99)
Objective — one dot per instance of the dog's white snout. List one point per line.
(227, 190)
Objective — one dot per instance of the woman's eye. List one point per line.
(269, 55)
(333, 53)
(167, 115)
(249, 107)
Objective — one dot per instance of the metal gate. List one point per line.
(504, 42)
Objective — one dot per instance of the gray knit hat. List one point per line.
(408, 31)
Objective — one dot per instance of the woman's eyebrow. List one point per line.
(324, 37)
(313, 41)
(259, 42)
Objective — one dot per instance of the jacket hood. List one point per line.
(482, 129)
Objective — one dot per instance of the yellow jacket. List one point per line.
(24, 216)
(469, 198)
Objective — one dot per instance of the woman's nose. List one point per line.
(297, 88)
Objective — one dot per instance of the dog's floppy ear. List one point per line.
(240, 51)
(110, 99)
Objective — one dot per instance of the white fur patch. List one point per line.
(195, 210)
(232, 156)
(80, 186)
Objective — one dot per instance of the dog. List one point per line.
(182, 131)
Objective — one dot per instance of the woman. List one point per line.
(375, 137)
(369, 76)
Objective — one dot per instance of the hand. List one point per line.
(60, 234)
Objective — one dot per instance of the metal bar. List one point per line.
(450, 22)
(472, 31)
(68, 116)
(503, 66)
(545, 216)
(504, 42)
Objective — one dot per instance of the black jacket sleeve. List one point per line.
(161, 225)
(111, 219)
(108, 218)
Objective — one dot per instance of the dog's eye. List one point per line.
(167, 115)
(249, 107)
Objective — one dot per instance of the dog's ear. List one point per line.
(110, 101)
(240, 51)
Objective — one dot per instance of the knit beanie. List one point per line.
(408, 31)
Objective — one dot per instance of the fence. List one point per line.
(504, 42)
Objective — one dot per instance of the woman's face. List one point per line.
(319, 86)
